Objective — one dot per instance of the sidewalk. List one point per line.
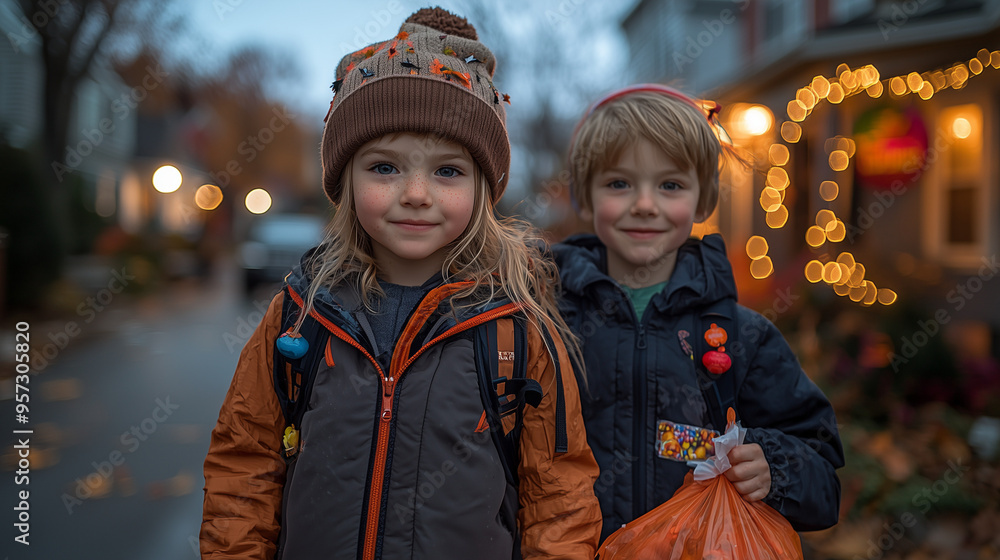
(95, 302)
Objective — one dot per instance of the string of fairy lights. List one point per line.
(844, 274)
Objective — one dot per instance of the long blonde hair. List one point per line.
(500, 256)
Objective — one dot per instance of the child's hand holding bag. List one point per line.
(707, 519)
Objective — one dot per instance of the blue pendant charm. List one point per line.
(293, 347)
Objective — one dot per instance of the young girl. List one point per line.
(392, 456)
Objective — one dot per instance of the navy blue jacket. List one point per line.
(638, 373)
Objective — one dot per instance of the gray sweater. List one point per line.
(393, 311)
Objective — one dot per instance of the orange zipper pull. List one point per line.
(387, 399)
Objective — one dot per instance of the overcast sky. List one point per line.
(317, 34)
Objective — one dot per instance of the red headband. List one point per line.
(655, 88)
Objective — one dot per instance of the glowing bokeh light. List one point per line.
(821, 86)
(831, 273)
(836, 94)
(756, 247)
(791, 132)
(796, 110)
(815, 236)
(839, 160)
(761, 268)
(756, 120)
(828, 190)
(770, 199)
(836, 231)
(858, 276)
(847, 259)
(856, 293)
(814, 271)
(167, 179)
(777, 154)
(824, 217)
(926, 91)
(875, 90)
(897, 85)
(777, 178)
(258, 201)
(886, 296)
(961, 127)
(208, 197)
(871, 293)
(806, 97)
(777, 218)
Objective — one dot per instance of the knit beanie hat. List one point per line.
(433, 77)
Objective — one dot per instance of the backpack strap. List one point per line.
(501, 357)
(293, 378)
(562, 440)
(717, 330)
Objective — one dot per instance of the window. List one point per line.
(956, 200)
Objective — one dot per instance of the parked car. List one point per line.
(275, 244)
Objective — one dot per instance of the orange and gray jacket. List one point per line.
(390, 463)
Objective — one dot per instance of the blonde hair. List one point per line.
(500, 256)
(673, 125)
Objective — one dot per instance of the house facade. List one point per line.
(882, 117)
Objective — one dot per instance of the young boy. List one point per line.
(652, 309)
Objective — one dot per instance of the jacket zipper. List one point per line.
(638, 412)
(638, 423)
(382, 451)
(387, 387)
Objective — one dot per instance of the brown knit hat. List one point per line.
(433, 77)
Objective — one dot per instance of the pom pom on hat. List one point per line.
(444, 21)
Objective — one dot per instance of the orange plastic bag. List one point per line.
(707, 520)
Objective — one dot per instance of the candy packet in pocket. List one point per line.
(683, 442)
